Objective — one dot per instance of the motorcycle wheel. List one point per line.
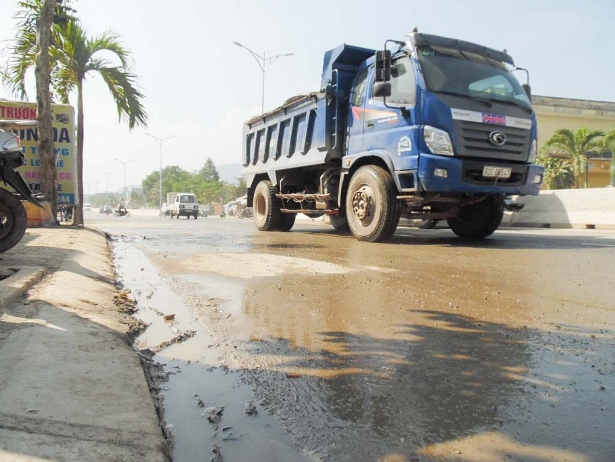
(13, 220)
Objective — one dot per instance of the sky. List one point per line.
(200, 87)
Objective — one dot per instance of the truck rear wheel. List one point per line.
(478, 220)
(13, 220)
(267, 215)
(371, 207)
(287, 221)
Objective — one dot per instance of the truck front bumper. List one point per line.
(451, 174)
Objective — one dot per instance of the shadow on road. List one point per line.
(440, 380)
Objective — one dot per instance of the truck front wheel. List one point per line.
(13, 220)
(339, 223)
(372, 210)
(267, 215)
(478, 220)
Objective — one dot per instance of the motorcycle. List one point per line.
(121, 213)
(222, 214)
(13, 216)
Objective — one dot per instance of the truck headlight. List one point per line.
(532, 157)
(438, 141)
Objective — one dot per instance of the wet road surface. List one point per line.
(423, 348)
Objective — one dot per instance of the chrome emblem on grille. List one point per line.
(497, 138)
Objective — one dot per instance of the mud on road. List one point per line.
(424, 348)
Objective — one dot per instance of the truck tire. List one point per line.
(267, 215)
(339, 223)
(287, 221)
(372, 209)
(196, 215)
(13, 220)
(478, 220)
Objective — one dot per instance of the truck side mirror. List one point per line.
(527, 90)
(382, 89)
(383, 66)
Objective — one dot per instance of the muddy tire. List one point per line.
(267, 215)
(13, 220)
(196, 215)
(287, 221)
(478, 220)
(339, 223)
(372, 210)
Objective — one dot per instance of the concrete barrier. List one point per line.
(567, 208)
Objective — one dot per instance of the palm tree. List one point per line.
(74, 56)
(77, 56)
(577, 144)
(559, 172)
(608, 145)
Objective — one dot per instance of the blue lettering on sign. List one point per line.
(66, 198)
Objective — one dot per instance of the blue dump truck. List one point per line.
(428, 128)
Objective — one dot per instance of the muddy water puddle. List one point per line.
(392, 353)
(196, 375)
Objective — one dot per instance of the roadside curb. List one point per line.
(14, 287)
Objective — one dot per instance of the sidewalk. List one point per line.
(71, 386)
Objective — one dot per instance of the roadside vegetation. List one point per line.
(205, 183)
(566, 154)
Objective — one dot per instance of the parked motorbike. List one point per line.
(13, 216)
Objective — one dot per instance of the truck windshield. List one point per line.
(453, 71)
(188, 199)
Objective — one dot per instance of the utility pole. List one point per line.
(263, 63)
(125, 164)
(160, 142)
(107, 184)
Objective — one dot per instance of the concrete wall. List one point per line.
(566, 208)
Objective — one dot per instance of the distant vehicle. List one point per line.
(87, 207)
(182, 204)
(106, 209)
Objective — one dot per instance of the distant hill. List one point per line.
(229, 172)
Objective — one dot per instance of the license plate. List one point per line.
(496, 172)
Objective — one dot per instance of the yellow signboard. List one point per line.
(63, 116)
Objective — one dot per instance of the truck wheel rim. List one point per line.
(363, 204)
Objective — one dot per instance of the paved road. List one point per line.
(423, 348)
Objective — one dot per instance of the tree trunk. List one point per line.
(42, 72)
(79, 208)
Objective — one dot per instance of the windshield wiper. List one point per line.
(512, 103)
(485, 101)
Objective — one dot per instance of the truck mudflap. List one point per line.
(9, 162)
(449, 174)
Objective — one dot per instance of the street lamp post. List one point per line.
(263, 63)
(160, 142)
(107, 184)
(125, 164)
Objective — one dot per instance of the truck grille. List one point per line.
(473, 141)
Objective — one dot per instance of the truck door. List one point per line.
(354, 140)
(393, 126)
